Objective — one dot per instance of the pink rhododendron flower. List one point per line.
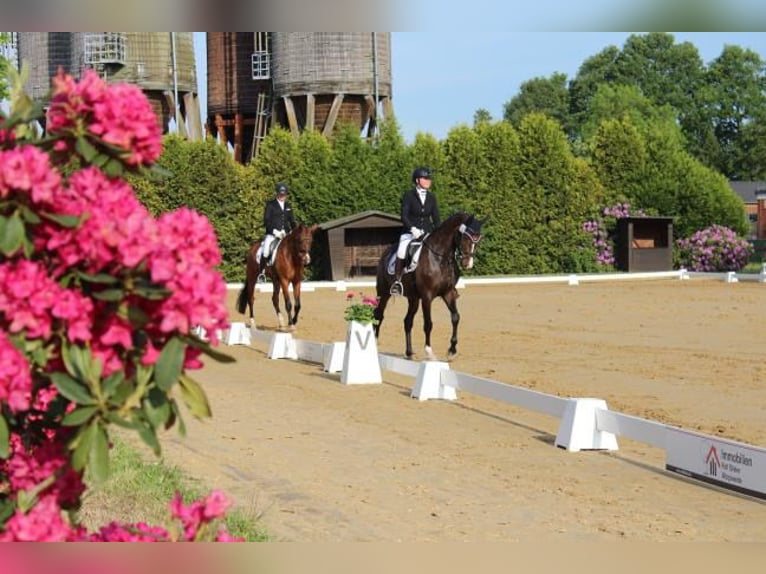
(27, 169)
(27, 467)
(43, 523)
(119, 114)
(15, 380)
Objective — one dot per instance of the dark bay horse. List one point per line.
(293, 254)
(436, 275)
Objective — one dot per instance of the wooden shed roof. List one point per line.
(356, 217)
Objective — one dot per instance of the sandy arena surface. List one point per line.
(321, 461)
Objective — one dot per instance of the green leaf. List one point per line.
(11, 234)
(82, 445)
(197, 343)
(169, 364)
(72, 389)
(109, 295)
(68, 221)
(78, 416)
(113, 418)
(156, 407)
(177, 417)
(148, 435)
(86, 150)
(194, 397)
(112, 383)
(113, 168)
(99, 454)
(28, 215)
(4, 437)
(104, 278)
(137, 316)
(151, 292)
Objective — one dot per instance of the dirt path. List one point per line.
(320, 461)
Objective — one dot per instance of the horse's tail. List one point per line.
(242, 299)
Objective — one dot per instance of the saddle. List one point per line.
(269, 257)
(411, 257)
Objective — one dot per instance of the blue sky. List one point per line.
(440, 78)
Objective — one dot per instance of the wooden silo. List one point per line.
(44, 52)
(323, 78)
(238, 89)
(160, 63)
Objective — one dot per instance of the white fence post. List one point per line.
(578, 429)
(282, 347)
(238, 334)
(429, 382)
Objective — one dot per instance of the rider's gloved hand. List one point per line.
(416, 233)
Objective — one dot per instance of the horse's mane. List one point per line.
(454, 221)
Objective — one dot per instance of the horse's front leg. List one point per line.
(413, 301)
(285, 285)
(297, 302)
(451, 300)
(380, 309)
(275, 303)
(428, 324)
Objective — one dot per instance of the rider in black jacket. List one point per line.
(278, 221)
(419, 214)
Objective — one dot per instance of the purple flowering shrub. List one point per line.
(715, 248)
(603, 228)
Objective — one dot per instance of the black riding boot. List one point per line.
(262, 273)
(396, 287)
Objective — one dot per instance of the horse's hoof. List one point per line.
(451, 356)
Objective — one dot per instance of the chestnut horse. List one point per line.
(293, 254)
(436, 275)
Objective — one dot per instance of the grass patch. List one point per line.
(141, 491)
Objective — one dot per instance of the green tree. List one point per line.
(544, 95)
(736, 81)
(5, 39)
(553, 200)
(391, 164)
(619, 160)
(481, 116)
(352, 172)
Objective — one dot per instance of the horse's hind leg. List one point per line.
(451, 300)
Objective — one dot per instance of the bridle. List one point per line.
(464, 231)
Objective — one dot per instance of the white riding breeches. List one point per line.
(404, 241)
(265, 246)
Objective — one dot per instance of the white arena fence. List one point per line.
(585, 423)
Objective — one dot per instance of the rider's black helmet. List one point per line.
(421, 172)
(281, 188)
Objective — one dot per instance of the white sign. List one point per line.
(728, 464)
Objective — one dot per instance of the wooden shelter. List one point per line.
(644, 244)
(352, 246)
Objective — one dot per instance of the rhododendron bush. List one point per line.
(98, 305)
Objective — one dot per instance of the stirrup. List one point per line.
(397, 288)
(261, 277)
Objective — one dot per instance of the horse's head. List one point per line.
(470, 235)
(301, 238)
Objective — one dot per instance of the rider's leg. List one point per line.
(401, 252)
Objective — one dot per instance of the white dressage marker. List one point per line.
(579, 430)
(282, 347)
(360, 361)
(238, 334)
